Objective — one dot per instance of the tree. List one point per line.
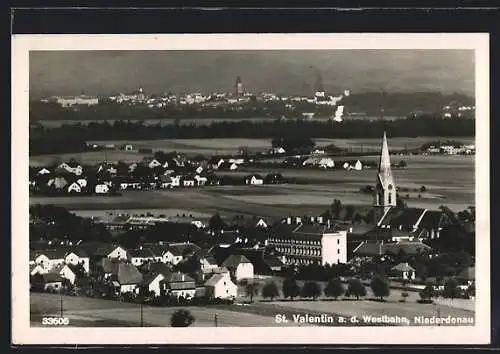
(349, 212)
(216, 223)
(380, 287)
(270, 290)
(404, 295)
(181, 318)
(450, 289)
(423, 189)
(336, 208)
(428, 292)
(251, 289)
(356, 288)
(290, 288)
(311, 289)
(334, 288)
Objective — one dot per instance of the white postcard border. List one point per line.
(22, 333)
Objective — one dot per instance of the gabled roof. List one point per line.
(128, 274)
(177, 277)
(214, 279)
(432, 219)
(406, 218)
(403, 267)
(235, 260)
(380, 248)
(217, 270)
(51, 277)
(273, 261)
(52, 253)
(141, 253)
(210, 260)
(148, 278)
(80, 252)
(183, 248)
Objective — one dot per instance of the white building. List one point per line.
(309, 243)
(220, 286)
(239, 266)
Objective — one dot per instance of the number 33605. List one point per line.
(55, 321)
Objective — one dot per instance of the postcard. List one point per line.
(250, 188)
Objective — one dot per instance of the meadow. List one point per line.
(219, 146)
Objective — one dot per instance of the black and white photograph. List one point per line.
(316, 188)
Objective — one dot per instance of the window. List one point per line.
(390, 198)
(338, 241)
(338, 251)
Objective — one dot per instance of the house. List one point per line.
(154, 163)
(78, 256)
(153, 283)
(74, 188)
(140, 256)
(51, 281)
(278, 150)
(43, 171)
(49, 258)
(179, 284)
(199, 170)
(124, 277)
(65, 271)
(188, 182)
(208, 262)
(37, 269)
(118, 253)
(404, 271)
(379, 248)
(200, 180)
(129, 147)
(220, 286)
(239, 266)
(233, 167)
(178, 251)
(101, 189)
(254, 180)
(82, 182)
(208, 272)
(261, 223)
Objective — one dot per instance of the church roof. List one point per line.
(384, 167)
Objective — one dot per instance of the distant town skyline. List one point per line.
(282, 72)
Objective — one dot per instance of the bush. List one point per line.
(270, 290)
(380, 287)
(427, 293)
(356, 288)
(290, 288)
(311, 289)
(334, 288)
(182, 318)
(451, 290)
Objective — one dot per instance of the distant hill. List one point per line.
(283, 72)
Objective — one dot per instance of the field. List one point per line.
(220, 146)
(433, 172)
(93, 312)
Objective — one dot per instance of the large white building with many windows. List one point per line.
(304, 243)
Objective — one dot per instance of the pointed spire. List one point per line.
(384, 167)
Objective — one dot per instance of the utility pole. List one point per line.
(439, 316)
(61, 304)
(215, 320)
(142, 316)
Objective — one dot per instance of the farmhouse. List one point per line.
(254, 180)
(239, 266)
(43, 171)
(220, 286)
(125, 277)
(152, 283)
(74, 188)
(101, 189)
(51, 281)
(179, 284)
(78, 256)
(65, 272)
(49, 258)
(140, 256)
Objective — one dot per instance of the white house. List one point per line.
(200, 180)
(173, 256)
(48, 259)
(199, 170)
(220, 286)
(188, 182)
(176, 181)
(404, 271)
(233, 167)
(353, 165)
(153, 283)
(207, 263)
(74, 188)
(65, 272)
(179, 284)
(261, 223)
(43, 171)
(326, 162)
(38, 269)
(279, 150)
(126, 278)
(154, 163)
(140, 256)
(239, 266)
(129, 147)
(76, 257)
(82, 182)
(101, 189)
(118, 253)
(254, 180)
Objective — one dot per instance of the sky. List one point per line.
(282, 72)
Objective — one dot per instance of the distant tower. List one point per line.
(385, 190)
(239, 87)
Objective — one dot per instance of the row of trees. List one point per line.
(71, 138)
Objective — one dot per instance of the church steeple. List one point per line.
(385, 190)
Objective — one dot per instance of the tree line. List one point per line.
(72, 137)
